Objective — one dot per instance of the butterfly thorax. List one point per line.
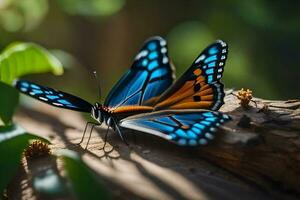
(102, 114)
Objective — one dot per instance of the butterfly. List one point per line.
(148, 99)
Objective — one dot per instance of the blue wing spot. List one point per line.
(209, 136)
(208, 114)
(61, 95)
(48, 92)
(173, 136)
(212, 64)
(152, 46)
(192, 142)
(181, 133)
(205, 123)
(153, 55)
(153, 64)
(145, 62)
(196, 130)
(225, 116)
(72, 106)
(210, 78)
(65, 102)
(210, 71)
(37, 91)
(25, 85)
(213, 50)
(199, 126)
(203, 141)
(211, 119)
(191, 134)
(182, 142)
(159, 73)
(52, 97)
(211, 58)
(35, 86)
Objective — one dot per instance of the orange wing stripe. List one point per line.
(192, 105)
(128, 109)
(183, 92)
(205, 92)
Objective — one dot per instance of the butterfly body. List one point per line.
(148, 99)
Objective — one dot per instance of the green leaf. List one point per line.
(83, 180)
(8, 101)
(13, 141)
(19, 59)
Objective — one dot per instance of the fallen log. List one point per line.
(261, 143)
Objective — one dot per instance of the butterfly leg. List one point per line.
(93, 126)
(105, 142)
(119, 132)
(85, 131)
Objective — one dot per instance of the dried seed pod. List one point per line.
(245, 96)
(37, 149)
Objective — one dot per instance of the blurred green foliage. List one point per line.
(13, 140)
(91, 7)
(8, 102)
(105, 35)
(19, 59)
(84, 182)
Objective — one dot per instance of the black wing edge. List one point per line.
(75, 103)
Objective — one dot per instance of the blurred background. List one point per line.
(105, 35)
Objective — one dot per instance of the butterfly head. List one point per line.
(97, 113)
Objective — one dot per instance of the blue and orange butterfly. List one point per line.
(146, 99)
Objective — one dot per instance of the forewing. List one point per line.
(185, 127)
(199, 87)
(150, 75)
(53, 97)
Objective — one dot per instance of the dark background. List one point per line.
(105, 35)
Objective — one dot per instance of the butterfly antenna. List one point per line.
(98, 84)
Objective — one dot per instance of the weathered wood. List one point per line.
(261, 144)
(257, 152)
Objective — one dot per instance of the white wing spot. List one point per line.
(223, 57)
(224, 51)
(219, 76)
(221, 64)
(165, 60)
(141, 54)
(202, 57)
(57, 104)
(223, 44)
(163, 50)
(42, 98)
(220, 70)
(163, 42)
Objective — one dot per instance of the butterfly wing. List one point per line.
(199, 87)
(150, 75)
(184, 127)
(53, 97)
